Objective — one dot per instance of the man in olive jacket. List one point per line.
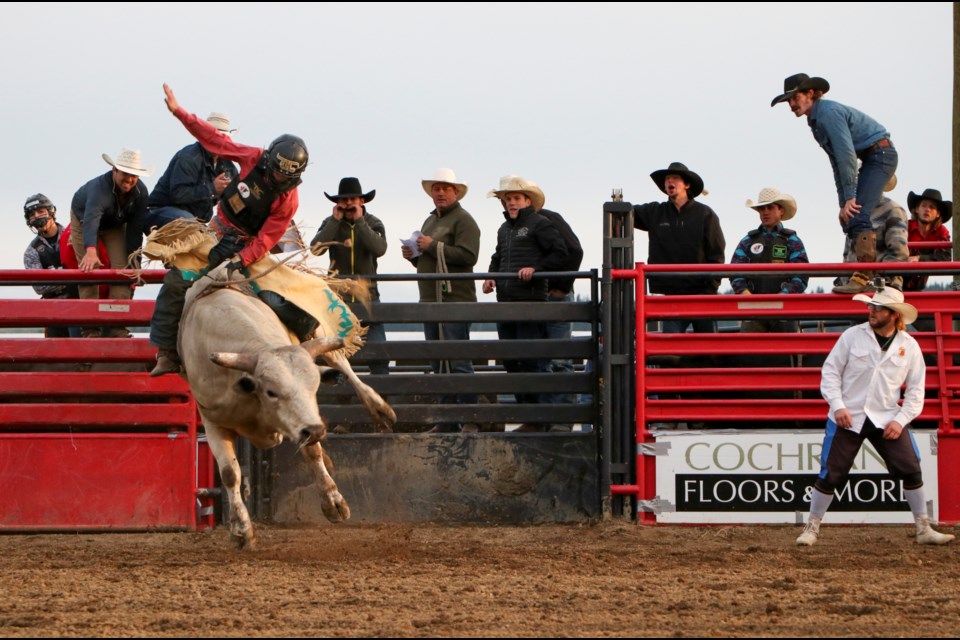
(449, 243)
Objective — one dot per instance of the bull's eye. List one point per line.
(272, 394)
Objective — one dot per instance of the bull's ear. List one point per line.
(319, 346)
(239, 361)
(331, 376)
(246, 385)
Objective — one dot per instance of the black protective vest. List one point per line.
(775, 250)
(49, 255)
(246, 202)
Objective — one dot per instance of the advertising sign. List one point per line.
(767, 477)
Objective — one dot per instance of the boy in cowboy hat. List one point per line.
(112, 208)
(929, 216)
(861, 381)
(682, 231)
(350, 221)
(526, 243)
(846, 135)
(771, 242)
(449, 243)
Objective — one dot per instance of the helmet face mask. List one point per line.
(288, 156)
(35, 203)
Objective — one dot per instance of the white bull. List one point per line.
(251, 379)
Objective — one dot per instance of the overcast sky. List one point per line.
(579, 98)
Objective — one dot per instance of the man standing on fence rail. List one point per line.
(861, 381)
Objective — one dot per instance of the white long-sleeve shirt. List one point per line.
(866, 381)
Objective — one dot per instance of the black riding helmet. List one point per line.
(37, 201)
(288, 156)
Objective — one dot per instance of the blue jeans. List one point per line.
(162, 215)
(560, 331)
(451, 331)
(524, 331)
(680, 326)
(376, 333)
(878, 167)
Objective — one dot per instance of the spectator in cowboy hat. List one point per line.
(449, 242)
(526, 242)
(930, 214)
(682, 231)
(846, 135)
(360, 240)
(192, 183)
(111, 207)
(771, 242)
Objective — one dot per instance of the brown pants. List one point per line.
(115, 242)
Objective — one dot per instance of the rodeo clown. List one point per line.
(861, 381)
(255, 210)
(771, 242)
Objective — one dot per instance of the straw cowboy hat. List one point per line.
(129, 161)
(891, 299)
(771, 195)
(221, 122)
(800, 82)
(516, 184)
(350, 188)
(679, 169)
(445, 176)
(944, 206)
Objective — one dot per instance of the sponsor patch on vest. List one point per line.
(756, 248)
(236, 203)
(779, 252)
(244, 190)
(257, 192)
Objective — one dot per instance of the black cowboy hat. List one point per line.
(679, 169)
(800, 82)
(944, 206)
(350, 188)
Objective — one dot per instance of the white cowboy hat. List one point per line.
(128, 161)
(772, 195)
(221, 122)
(891, 299)
(517, 184)
(446, 176)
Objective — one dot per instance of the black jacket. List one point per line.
(528, 241)
(691, 235)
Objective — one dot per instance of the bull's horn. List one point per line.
(240, 361)
(319, 346)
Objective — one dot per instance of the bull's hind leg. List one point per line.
(377, 407)
(334, 505)
(223, 445)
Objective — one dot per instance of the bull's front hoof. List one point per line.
(385, 418)
(244, 542)
(335, 507)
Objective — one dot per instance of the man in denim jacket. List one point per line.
(847, 135)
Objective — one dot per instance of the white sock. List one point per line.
(819, 503)
(917, 501)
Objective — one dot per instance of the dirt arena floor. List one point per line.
(608, 579)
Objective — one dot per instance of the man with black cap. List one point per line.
(861, 381)
(682, 231)
(847, 135)
(930, 214)
(360, 240)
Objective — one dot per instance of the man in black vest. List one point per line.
(44, 251)
(254, 211)
(771, 242)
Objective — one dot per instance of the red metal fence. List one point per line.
(83, 445)
(731, 388)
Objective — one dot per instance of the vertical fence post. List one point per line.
(617, 362)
